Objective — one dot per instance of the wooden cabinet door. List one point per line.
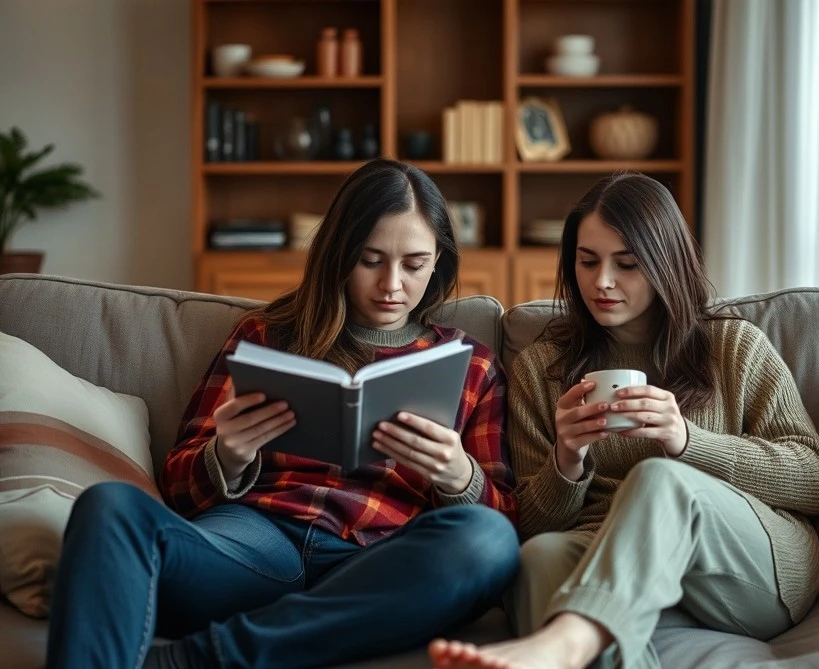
(263, 285)
(534, 274)
(484, 273)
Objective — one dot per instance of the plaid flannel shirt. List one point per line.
(367, 504)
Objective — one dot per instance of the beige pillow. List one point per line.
(58, 435)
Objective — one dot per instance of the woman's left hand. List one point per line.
(432, 450)
(657, 410)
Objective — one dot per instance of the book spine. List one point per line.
(450, 135)
(252, 137)
(213, 147)
(239, 136)
(227, 135)
(352, 441)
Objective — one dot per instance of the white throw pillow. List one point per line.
(58, 435)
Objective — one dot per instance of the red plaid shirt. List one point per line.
(369, 503)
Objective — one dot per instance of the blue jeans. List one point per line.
(238, 587)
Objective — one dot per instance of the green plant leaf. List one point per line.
(23, 191)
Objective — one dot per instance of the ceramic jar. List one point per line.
(343, 147)
(623, 135)
(351, 56)
(368, 145)
(295, 141)
(327, 53)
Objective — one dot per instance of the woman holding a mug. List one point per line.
(696, 516)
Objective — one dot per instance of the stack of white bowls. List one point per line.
(574, 57)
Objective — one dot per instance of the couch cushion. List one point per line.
(58, 435)
(478, 315)
(690, 648)
(522, 324)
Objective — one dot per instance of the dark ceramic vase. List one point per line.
(368, 146)
(343, 147)
(418, 145)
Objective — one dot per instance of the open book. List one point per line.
(336, 413)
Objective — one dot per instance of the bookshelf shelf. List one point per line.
(602, 81)
(291, 82)
(438, 167)
(600, 166)
(279, 168)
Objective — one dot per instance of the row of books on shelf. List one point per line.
(472, 132)
(231, 135)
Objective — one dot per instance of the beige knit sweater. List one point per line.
(755, 435)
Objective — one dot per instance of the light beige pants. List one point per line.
(674, 537)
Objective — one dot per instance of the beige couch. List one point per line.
(156, 344)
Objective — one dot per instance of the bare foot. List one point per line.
(526, 653)
(569, 641)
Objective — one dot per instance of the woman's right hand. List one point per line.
(241, 430)
(577, 426)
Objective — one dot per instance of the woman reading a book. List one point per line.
(275, 560)
(699, 514)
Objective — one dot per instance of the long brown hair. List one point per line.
(648, 220)
(310, 320)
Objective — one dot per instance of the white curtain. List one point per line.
(761, 187)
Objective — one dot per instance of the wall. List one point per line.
(107, 81)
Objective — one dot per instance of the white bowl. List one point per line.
(230, 59)
(275, 68)
(585, 65)
(574, 45)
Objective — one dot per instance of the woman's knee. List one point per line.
(112, 502)
(485, 537)
(659, 474)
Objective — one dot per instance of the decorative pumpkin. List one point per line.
(623, 135)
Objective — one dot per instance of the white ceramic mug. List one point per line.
(607, 383)
(229, 60)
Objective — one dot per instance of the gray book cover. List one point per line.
(336, 413)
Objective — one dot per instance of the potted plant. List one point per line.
(24, 191)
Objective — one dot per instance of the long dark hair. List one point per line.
(645, 215)
(310, 320)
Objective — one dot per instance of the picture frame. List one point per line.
(467, 223)
(541, 130)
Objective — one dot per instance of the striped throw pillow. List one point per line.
(58, 435)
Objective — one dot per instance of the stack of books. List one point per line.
(543, 231)
(246, 233)
(472, 132)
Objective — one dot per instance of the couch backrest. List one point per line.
(787, 317)
(151, 342)
(156, 343)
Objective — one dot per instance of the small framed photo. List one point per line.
(467, 223)
(541, 130)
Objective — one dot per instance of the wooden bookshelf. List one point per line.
(421, 56)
